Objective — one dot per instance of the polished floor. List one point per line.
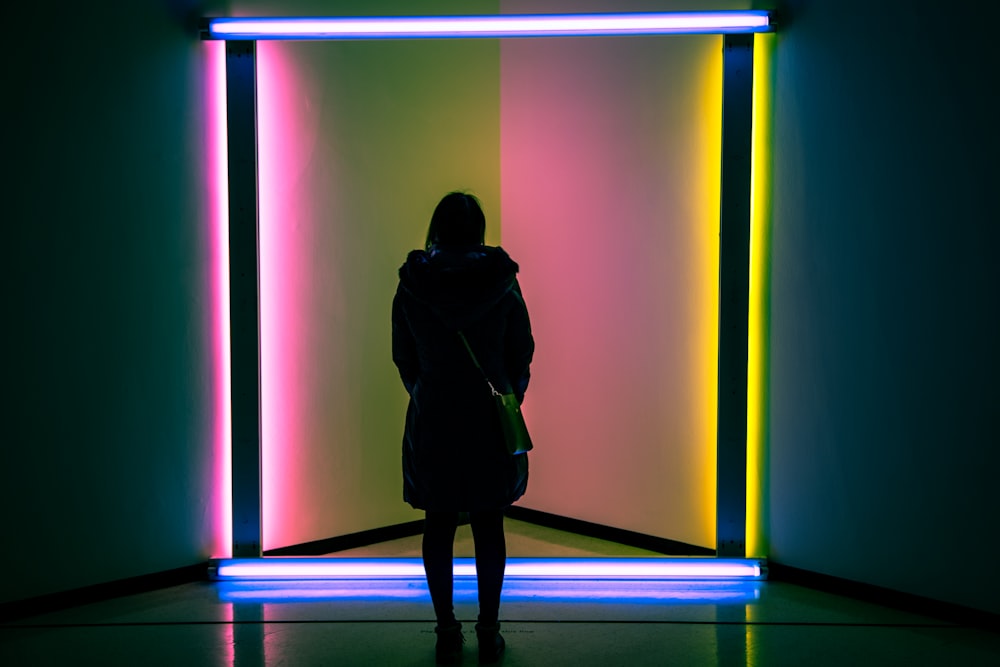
(389, 623)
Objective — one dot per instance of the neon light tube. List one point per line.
(517, 568)
(536, 25)
(612, 592)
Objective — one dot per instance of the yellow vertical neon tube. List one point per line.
(758, 334)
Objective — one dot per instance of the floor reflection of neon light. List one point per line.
(517, 568)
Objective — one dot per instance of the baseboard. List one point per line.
(629, 538)
(352, 541)
(52, 602)
(886, 597)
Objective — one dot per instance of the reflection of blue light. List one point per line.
(674, 592)
(509, 25)
(411, 590)
(594, 569)
(324, 591)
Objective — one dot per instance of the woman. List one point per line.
(454, 457)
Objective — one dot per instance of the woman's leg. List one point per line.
(491, 560)
(438, 547)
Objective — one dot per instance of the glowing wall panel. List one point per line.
(610, 170)
(357, 142)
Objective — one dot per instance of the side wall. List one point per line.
(883, 452)
(110, 465)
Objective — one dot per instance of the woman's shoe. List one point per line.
(491, 644)
(448, 650)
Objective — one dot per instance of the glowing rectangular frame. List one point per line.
(739, 27)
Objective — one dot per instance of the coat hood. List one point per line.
(459, 285)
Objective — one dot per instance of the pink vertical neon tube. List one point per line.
(218, 195)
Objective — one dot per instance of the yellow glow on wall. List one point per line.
(760, 300)
(707, 221)
(357, 142)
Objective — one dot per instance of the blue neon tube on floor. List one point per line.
(592, 569)
(673, 591)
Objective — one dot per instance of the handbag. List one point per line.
(515, 431)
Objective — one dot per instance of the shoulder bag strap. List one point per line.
(476, 362)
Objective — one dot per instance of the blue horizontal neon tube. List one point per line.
(593, 569)
(729, 591)
(530, 25)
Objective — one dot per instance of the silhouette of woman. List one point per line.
(454, 457)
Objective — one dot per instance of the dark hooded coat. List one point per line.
(454, 458)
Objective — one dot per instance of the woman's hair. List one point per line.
(458, 221)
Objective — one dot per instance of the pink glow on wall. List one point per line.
(287, 128)
(611, 206)
(219, 222)
(278, 289)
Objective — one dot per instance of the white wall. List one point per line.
(358, 142)
(610, 175)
